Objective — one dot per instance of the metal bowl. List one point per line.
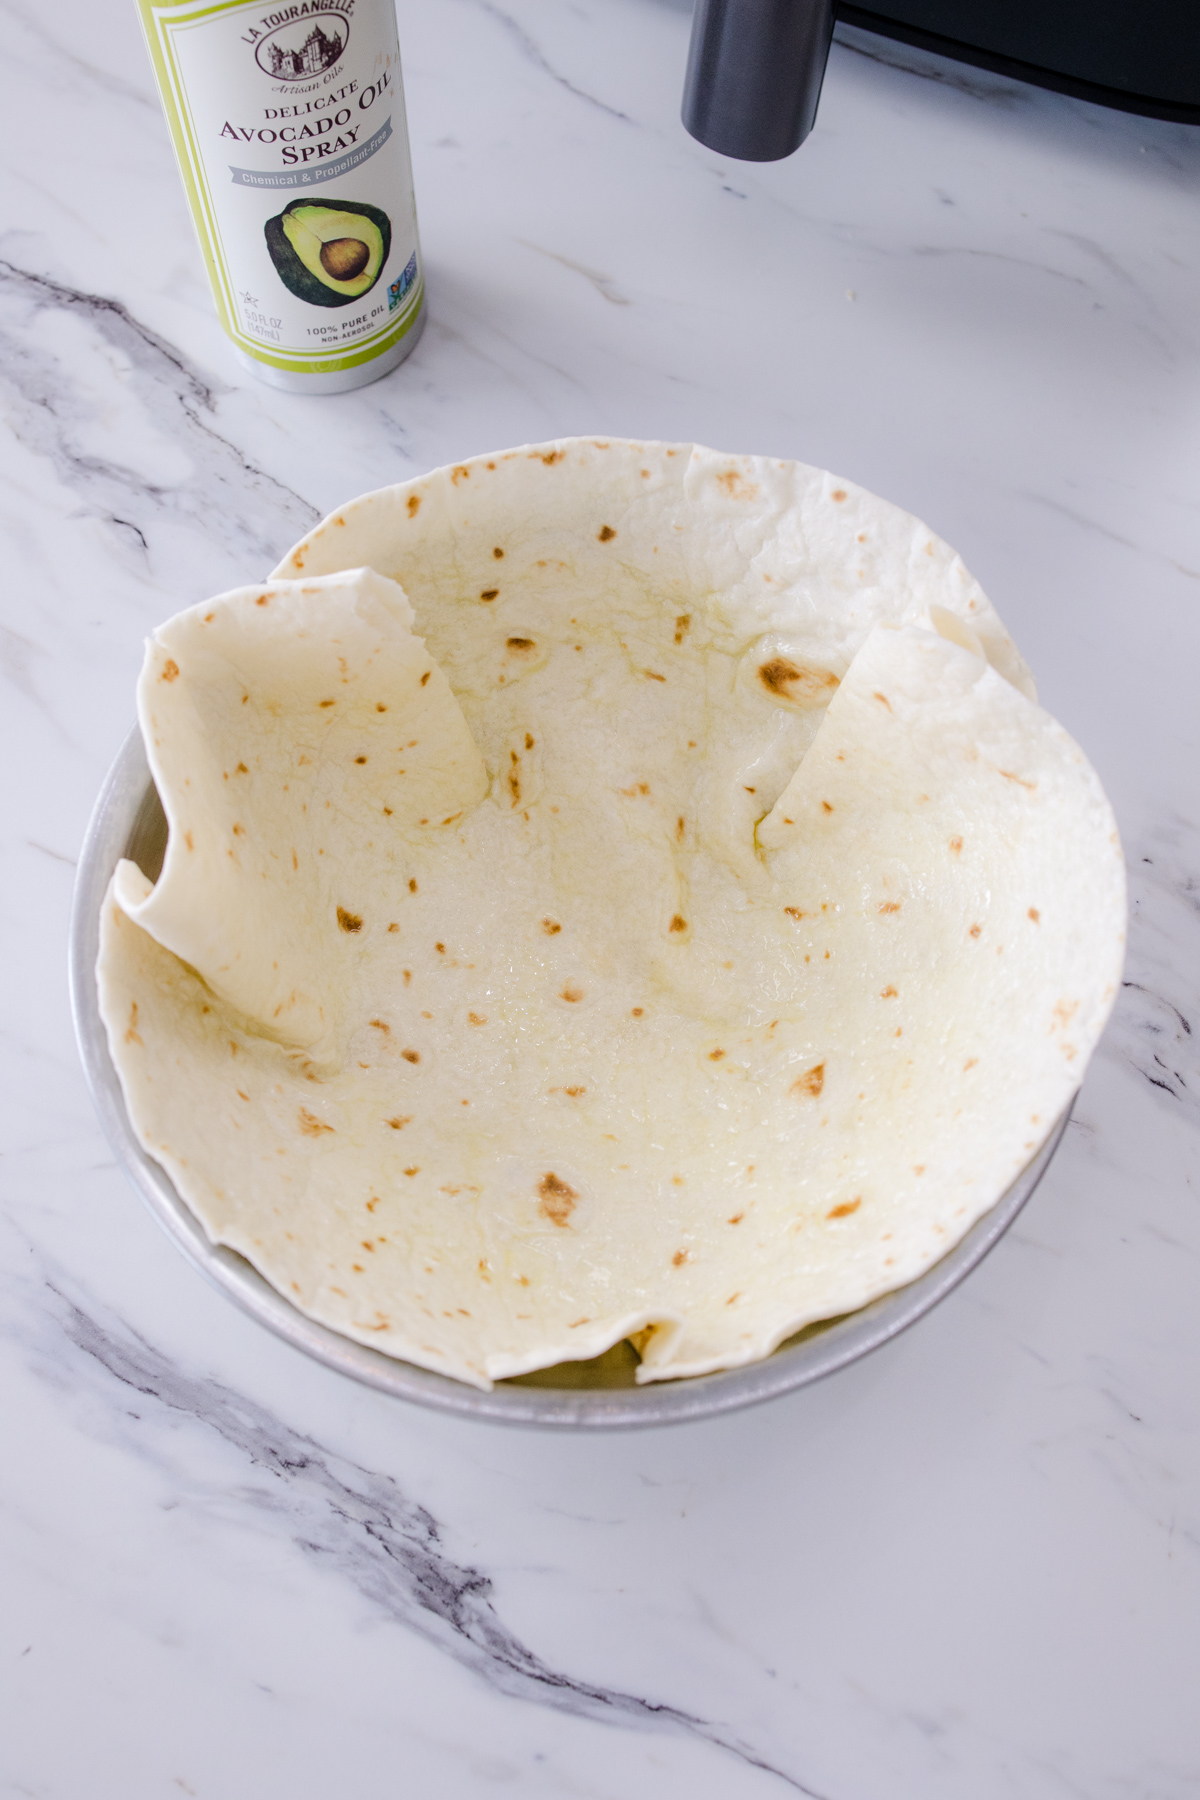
(596, 1395)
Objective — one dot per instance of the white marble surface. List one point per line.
(969, 1567)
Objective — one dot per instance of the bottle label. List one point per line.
(291, 136)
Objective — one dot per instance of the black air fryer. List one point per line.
(756, 66)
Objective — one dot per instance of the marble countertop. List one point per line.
(968, 1566)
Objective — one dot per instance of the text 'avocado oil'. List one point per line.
(290, 130)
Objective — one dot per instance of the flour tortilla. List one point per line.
(614, 942)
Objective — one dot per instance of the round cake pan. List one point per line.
(597, 1395)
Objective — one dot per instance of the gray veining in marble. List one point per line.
(969, 1565)
(349, 1519)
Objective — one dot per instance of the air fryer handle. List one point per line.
(754, 74)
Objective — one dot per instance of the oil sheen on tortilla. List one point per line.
(613, 890)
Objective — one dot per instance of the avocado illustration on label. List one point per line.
(329, 252)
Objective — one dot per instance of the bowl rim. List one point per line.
(125, 799)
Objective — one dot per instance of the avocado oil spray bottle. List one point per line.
(289, 127)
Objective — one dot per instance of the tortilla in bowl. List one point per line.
(613, 891)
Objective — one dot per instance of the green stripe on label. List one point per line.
(176, 34)
(350, 359)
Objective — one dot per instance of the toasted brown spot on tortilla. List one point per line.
(811, 1082)
(956, 844)
(575, 1092)
(347, 920)
(187, 838)
(425, 677)
(360, 759)
(889, 992)
(736, 485)
(637, 1011)
(890, 906)
(412, 1056)
(1009, 776)
(883, 700)
(653, 675)
(414, 502)
(520, 643)
(326, 702)
(170, 670)
(1035, 915)
(497, 553)
(131, 1035)
(399, 1122)
(571, 992)
(489, 593)
(970, 1063)
(678, 923)
(606, 534)
(838, 494)
(845, 1208)
(310, 1125)
(794, 681)
(736, 1219)
(477, 1018)
(556, 1198)
(679, 1258)
(825, 806)
(413, 1171)
(794, 912)
(412, 884)
(975, 931)
(551, 927)
(715, 1055)
(682, 623)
